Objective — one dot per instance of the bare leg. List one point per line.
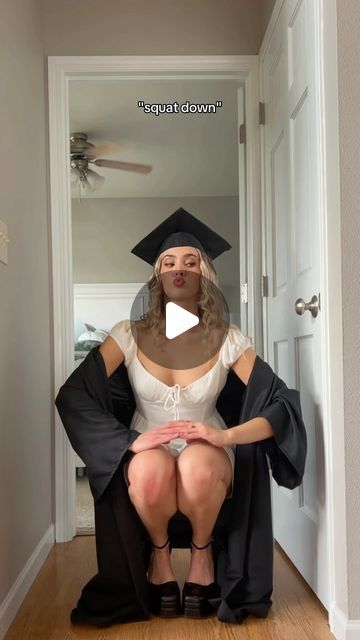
(204, 479)
(152, 490)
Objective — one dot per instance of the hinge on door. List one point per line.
(261, 112)
(244, 292)
(242, 133)
(264, 286)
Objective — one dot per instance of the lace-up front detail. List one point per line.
(172, 400)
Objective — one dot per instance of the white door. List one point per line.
(293, 263)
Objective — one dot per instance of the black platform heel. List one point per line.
(195, 596)
(164, 599)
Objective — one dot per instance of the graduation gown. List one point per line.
(96, 412)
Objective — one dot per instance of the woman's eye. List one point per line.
(170, 265)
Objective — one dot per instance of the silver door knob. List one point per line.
(301, 306)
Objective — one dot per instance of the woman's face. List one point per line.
(180, 272)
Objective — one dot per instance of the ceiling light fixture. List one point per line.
(84, 180)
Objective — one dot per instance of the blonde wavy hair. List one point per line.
(211, 304)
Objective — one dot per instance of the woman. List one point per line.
(186, 463)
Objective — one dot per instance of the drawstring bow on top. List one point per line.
(173, 400)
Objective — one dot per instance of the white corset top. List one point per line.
(158, 403)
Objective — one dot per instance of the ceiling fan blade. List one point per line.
(126, 166)
(105, 149)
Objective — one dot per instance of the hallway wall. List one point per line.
(349, 123)
(26, 465)
(160, 27)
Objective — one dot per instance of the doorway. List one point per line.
(237, 78)
(131, 167)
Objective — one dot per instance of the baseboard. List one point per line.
(341, 626)
(85, 531)
(10, 606)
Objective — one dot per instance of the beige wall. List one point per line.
(159, 27)
(349, 123)
(26, 405)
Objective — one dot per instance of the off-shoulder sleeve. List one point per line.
(235, 344)
(122, 334)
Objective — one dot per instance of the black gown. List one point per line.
(96, 412)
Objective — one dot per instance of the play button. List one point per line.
(178, 320)
(179, 323)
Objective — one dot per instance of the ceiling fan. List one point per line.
(82, 153)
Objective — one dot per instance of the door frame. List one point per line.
(330, 303)
(61, 69)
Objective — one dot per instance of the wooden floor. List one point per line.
(296, 613)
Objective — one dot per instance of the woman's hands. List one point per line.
(187, 429)
(192, 430)
(153, 438)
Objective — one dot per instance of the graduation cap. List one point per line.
(181, 229)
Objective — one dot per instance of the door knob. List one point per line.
(314, 305)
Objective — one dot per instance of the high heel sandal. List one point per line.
(164, 599)
(195, 596)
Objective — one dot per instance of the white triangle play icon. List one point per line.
(178, 320)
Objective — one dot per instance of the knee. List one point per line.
(151, 478)
(198, 478)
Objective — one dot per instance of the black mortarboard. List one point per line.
(179, 230)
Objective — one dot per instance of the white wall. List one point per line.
(26, 403)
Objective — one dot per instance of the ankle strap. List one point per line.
(161, 546)
(204, 547)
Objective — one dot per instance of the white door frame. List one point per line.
(60, 71)
(330, 303)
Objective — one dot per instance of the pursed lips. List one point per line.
(179, 281)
